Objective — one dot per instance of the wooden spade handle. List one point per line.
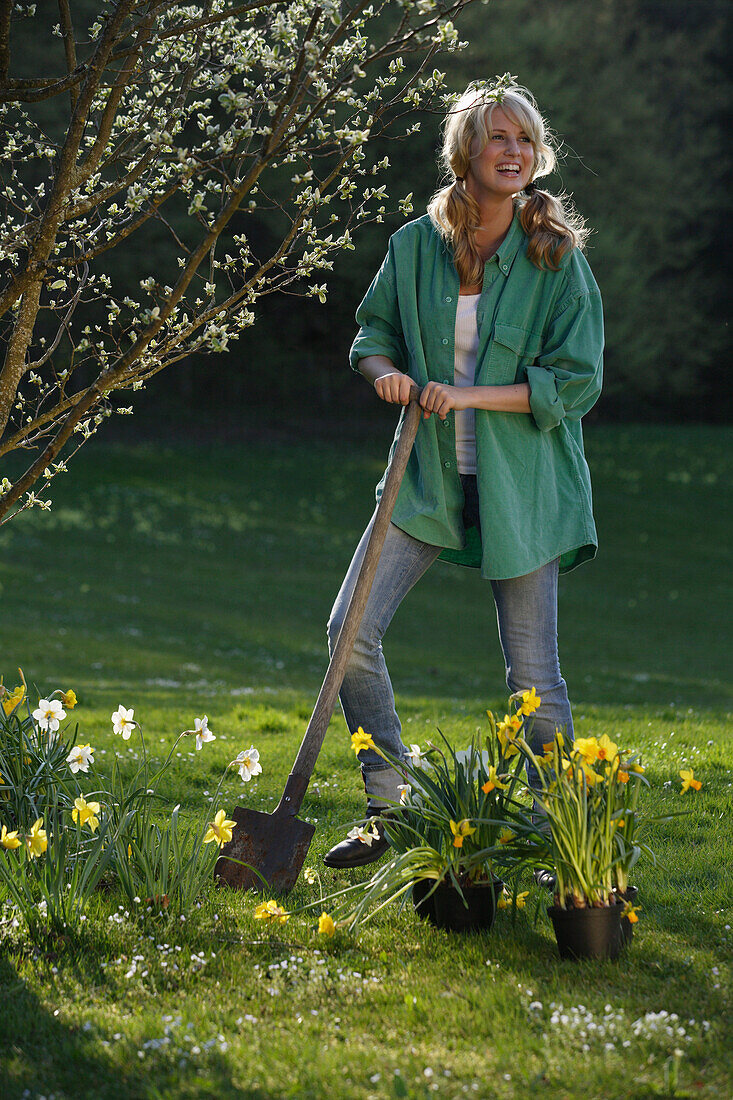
(310, 747)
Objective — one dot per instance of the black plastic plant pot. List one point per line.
(445, 907)
(587, 933)
(627, 928)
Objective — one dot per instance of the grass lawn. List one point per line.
(183, 581)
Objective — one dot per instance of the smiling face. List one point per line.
(504, 167)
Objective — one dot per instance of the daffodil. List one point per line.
(219, 830)
(80, 757)
(247, 763)
(461, 830)
(687, 776)
(493, 781)
(636, 768)
(13, 698)
(270, 910)
(85, 813)
(630, 911)
(606, 749)
(68, 698)
(364, 834)
(326, 927)
(530, 702)
(587, 747)
(559, 740)
(504, 901)
(202, 731)
(9, 840)
(622, 776)
(49, 714)
(123, 722)
(506, 836)
(404, 789)
(521, 899)
(418, 758)
(310, 875)
(361, 740)
(36, 840)
(507, 731)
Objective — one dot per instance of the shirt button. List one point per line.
(448, 298)
(445, 380)
(447, 465)
(444, 340)
(504, 267)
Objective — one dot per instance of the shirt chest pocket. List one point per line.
(509, 350)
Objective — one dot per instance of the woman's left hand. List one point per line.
(440, 399)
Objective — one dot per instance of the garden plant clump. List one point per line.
(68, 829)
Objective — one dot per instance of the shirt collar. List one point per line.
(509, 247)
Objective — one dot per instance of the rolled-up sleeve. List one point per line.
(567, 377)
(378, 317)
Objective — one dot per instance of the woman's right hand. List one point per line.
(395, 388)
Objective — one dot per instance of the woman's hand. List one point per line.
(395, 388)
(440, 399)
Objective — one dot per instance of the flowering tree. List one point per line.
(197, 118)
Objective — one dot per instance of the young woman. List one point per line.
(488, 305)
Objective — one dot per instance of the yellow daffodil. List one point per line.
(219, 830)
(506, 836)
(13, 698)
(530, 702)
(636, 768)
(687, 776)
(361, 740)
(510, 725)
(606, 750)
(630, 912)
(9, 840)
(36, 841)
(622, 776)
(521, 899)
(68, 698)
(460, 831)
(504, 901)
(587, 747)
(270, 910)
(326, 927)
(549, 746)
(507, 731)
(493, 781)
(85, 813)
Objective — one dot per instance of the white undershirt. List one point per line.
(464, 375)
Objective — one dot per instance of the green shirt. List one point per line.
(537, 326)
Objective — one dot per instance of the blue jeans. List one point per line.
(526, 611)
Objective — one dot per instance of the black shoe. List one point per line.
(545, 879)
(353, 852)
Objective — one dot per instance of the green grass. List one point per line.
(182, 581)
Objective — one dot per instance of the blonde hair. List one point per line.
(552, 226)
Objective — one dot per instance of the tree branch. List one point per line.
(67, 30)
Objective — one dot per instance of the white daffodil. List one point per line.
(248, 763)
(80, 757)
(417, 756)
(49, 713)
(404, 789)
(364, 834)
(123, 722)
(202, 731)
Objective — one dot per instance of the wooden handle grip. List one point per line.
(310, 746)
